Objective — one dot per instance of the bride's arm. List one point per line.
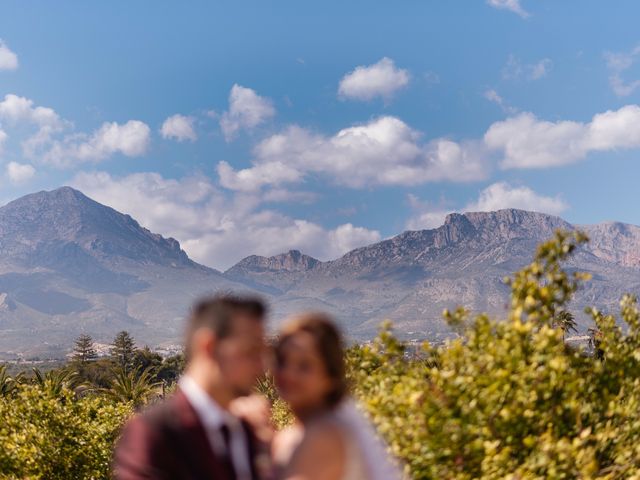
(320, 456)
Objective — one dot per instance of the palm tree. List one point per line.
(565, 321)
(8, 384)
(53, 382)
(137, 387)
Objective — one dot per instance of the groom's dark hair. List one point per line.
(217, 312)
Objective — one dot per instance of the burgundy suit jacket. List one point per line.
(168, 441)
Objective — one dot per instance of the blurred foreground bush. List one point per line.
(49, 436)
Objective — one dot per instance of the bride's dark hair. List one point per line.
(329, 344)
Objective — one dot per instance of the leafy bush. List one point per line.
(509, 399)
(57, 436)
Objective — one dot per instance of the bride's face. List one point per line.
(301, 375)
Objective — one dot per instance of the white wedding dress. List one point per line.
(366, 455)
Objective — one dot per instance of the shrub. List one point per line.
(509, 399)
(57, 437)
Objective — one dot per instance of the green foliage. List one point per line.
(61, 424)
(509, 399)
(54, 382)
(542, 288)
(57, 437)
(146, 359)
(8, 384)
(171, 369)
(136, 387)
(83, 350)
(565, 321)
(281, 415)
(123, 350)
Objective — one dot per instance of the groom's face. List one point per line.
(241, 355)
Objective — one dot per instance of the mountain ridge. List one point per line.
(70, 265)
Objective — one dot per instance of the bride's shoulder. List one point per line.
(325, 438)
(321, 453)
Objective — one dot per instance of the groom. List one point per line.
(192, 435)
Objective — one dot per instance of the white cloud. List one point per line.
(511, 5)
(531, 143)
(8, 59)
(618, 63)
(247, 110)
(130, 139)
(385, 151)
(495, 97)
(425, 214)
(15, 109)
(497, 196)
(381, 79)
(19, 173)
(3, 139)
(527, 142)
(54, 141)
(214, 229)
(515, 69)
(427, 220)
(282, 195)
(502, 195)
(254, 178)
(540, 69)
(179, 127)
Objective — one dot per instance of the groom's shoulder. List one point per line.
(163, 414)
(154, 423)
(147, 439)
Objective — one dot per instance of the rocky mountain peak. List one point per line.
(615, 242)
(504, 224)
(456, 227)
(47, 221)
(291, 261)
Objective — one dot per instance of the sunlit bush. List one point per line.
(54, 437)
(509, 399)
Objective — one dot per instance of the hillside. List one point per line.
(70, 265)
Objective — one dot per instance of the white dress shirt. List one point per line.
(213, 417)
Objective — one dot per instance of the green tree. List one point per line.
(135, 387)
(146, 359)
(54, 382)
(565, 321)
(8, 384)
(123, 350)
(84, 350)
(171, 368)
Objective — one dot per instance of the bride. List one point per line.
(331, 439)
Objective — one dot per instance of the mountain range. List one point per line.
(69, 265)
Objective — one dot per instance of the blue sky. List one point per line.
(255, 127)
